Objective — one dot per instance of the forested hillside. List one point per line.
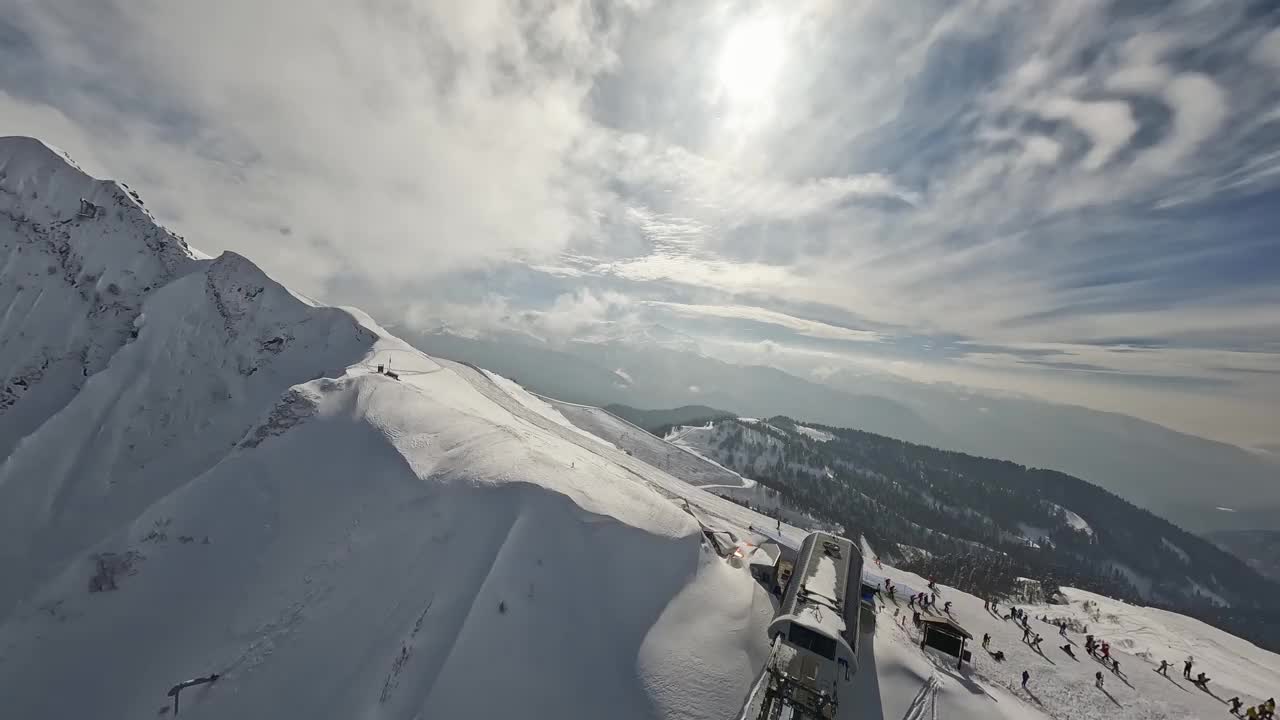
(981, 523)
(653, 420)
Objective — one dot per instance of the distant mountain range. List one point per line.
(654, 419)
(1199, 484)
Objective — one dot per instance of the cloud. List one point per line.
(1023, 178)
(801, 326)
(1266, 51)
(1109, 125)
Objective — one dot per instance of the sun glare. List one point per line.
(751, 59)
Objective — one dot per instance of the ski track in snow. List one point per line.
(925, 704)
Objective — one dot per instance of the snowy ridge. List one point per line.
(72, 286)
(229, 486)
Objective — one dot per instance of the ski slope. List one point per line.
(1060, 686)
(661, 453)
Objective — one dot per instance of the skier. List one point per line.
(1251, 713)
(1025, 677)
(1164, 668)
(1115, 666)
(986, 639)
(946, 608)
(1067, 649)
(986, 605)
(1097, 679)
(911, 602)
(1062, 629)
(998, 655)
(1235, 705)
(1186, 668)
(1202, 681)
(1026, 634)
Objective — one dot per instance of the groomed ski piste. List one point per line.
(205, 474)
(669, 455)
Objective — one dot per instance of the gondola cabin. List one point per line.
(816, 627)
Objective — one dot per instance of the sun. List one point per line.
(751, 60)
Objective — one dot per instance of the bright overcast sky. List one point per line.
(1076, 200)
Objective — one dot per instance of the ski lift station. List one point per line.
(814, 633)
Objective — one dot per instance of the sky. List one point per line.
(1078, 201)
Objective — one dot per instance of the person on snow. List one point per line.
(1067, 649)
(1062, 629)
(1251, 713)
(986, 639)
(1164, 668)
(911, 602)
(1035, 642)
(1097, 679)
(946, 607)
(1106, 650)
(1026, 634)
(1025, 677)
(1201, 680)
(1115, 666)
(1088, 644)
(1269, 707)
(998, 655)
(986, 605)
(1235, 703)
(1186, 668)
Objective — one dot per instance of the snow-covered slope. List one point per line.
(232, 488)
(673, 457)
(1061, 686)
(71, 285)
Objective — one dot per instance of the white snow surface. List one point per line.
(669, 454)
(237, 490)
(1076, 521)
(1060, 687)
(814, 433)
(1182, 554)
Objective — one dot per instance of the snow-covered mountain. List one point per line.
(202, 472)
